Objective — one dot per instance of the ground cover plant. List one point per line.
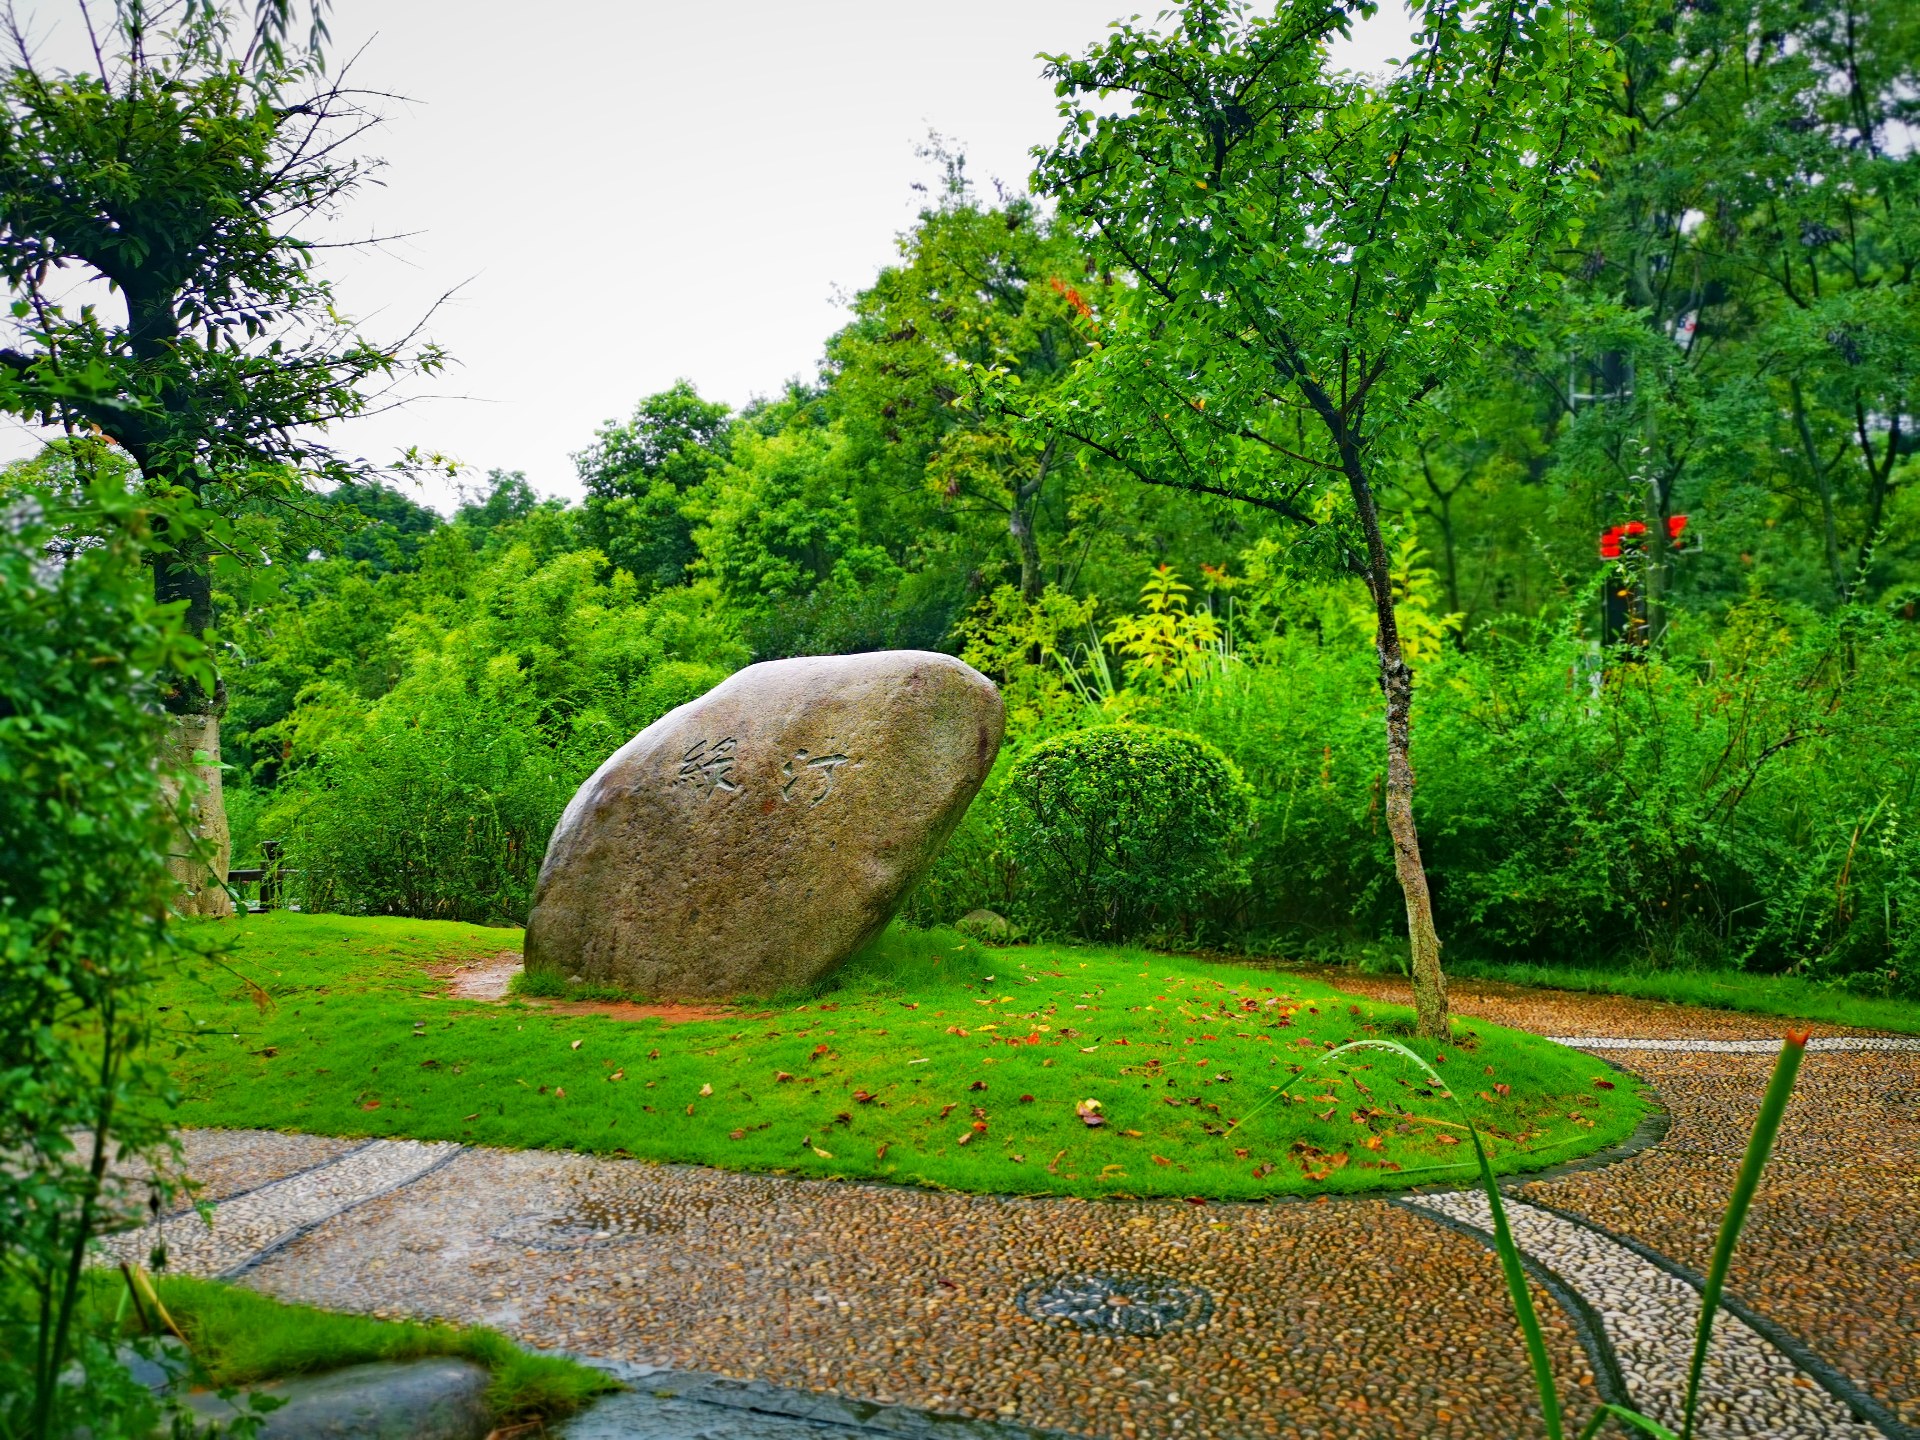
(929, 1060)
(239, 1337)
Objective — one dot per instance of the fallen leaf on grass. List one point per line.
(1372, 1142)
(618, 1075)
(737, 1135)
(1328, 1113)
(1161, 1160)
(819, 1050)
(1132, 1134)
(978, 1085)
(1503, 1091)
(370, 1105)
(956, 1030)
(1263, 1169)
(1089, 1113)
(881, 1153)
(823, 1154)
(780, 1077)
(1603, 1084)
(948, 1109)
(1447, 1139)
(861, 1097)
(474, 1116)
(706, 1090)
(1026, 1099)
(559, 1092)
(574, 1046)
(1240, 1154)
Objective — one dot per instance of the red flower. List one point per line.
(1609, 547)
(1634, 527)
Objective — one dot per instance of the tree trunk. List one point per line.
(190, 750)
(1396, 685)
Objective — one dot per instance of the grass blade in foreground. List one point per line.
(1765, 1128)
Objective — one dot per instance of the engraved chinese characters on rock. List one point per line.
(707, 766)
(807, 778)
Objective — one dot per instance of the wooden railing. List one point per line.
(266, 876)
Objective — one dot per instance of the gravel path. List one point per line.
(1338, 1318)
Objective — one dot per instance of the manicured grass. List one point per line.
(930, 1061)
(242, 1337)
(1783, 995)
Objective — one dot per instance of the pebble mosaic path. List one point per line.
(1377, 1317)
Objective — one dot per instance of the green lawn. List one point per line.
(929, 1061)
(243, 1338)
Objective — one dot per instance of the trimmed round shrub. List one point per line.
(1122, 830)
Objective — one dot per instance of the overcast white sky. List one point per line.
(629, 193)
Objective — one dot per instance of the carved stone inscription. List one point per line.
(806, 777)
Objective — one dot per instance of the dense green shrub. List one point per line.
(436, 798)
(1125, 829)
(84, 836)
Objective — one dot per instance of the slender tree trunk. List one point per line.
(1396, 685)
(1026, 500)
(190, 751)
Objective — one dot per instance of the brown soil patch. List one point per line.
(485, 978)
(489, 978)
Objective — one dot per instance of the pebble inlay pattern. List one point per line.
(1123, 1304)
(1738, 1047)
(257, 1223)
(1750, 1388)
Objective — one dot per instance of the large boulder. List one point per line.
(751, 840)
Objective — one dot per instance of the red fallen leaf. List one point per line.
(1026, 1099)
(371, 1105)
(1240, 1154)
(843, 1118)
(819, 1050)
(559, 1092)
(956, 1030)
(1483, 1095)
(861, 1097)
(948, 1283)
(1502, 1089)
(1196, 1199)
(1447, 1139)
(1603, 1085)
(1439, 1057)
(1263, 1169)
(1489, 1069)
(780, 1077)
(1089, 1113)
(689, 1109)
(978, 1113)
(979, 1127)
(737, 1135)
(1161, 1160)
(1328, 1113)
(1389, 1164)
(653, 1054)
(947, 1109)
(978, 1085)
(1372, 1142)
(911, 1004)
(881, 1153)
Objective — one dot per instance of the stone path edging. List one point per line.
(1609, 1378)
(266, 1219)
(1649, 1314)
(1863, 1405)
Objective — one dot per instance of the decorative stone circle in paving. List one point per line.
(563, 1230)
(1117, 1304)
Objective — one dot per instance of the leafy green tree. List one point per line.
(1311, 259)
(638, 476)
(182, 174)
(84, 889)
